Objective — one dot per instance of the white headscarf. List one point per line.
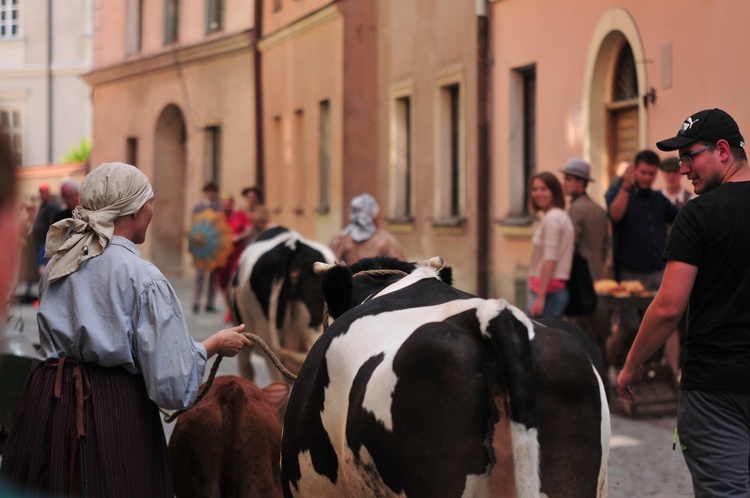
(362, 212)
(108, 192)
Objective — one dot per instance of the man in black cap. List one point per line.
(706, 256)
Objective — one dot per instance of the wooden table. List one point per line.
(658, 393)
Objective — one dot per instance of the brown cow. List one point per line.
(229, 443)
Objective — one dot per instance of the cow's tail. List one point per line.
(510, 332)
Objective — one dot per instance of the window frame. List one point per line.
(450, 148)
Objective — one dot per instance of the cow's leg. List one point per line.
(194, 456)
(573, 418)
(510, 332)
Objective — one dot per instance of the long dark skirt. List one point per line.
(122, 450)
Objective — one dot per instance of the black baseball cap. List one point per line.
(710, 125)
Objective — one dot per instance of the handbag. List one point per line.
(581, 289)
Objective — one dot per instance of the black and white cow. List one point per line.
(276, 293)
(423, 390)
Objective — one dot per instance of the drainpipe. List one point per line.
(484, 271)
(260, 176)
(50, 107)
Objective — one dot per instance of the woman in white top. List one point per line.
(552, 249)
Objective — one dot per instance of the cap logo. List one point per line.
(688, 123)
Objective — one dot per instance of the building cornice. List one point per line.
(310, 22)
(218, 47)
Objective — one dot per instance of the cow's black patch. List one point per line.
(441, 411)
(303, 425)
(292, 265)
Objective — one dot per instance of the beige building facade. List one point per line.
(429, 165)
(600, 81)
(319, 87)
(441, 110)
(173, 92)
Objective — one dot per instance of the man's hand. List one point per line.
(629, 376)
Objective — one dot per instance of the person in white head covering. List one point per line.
(114, 345)
(362, 238)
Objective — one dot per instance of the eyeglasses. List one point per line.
(688, 157)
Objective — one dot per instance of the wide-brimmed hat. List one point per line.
(710, 125)
(579, 168)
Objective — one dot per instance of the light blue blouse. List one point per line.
(120, 310)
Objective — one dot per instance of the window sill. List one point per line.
(517, 227)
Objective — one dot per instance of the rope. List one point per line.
(170, 417)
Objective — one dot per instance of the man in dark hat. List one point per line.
(589, 218)
(706, 254)
(591, 229)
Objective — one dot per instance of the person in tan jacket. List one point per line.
(362, 238)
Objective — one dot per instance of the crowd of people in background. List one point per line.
(623, 242)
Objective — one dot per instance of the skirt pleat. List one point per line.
(124, 451)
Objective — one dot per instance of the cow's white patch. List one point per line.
(526, 460)
(493, 307)
(367, 337)
(477, 486)
(357, 477)
(420, 273)
(606, 435)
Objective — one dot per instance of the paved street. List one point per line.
(642, 463)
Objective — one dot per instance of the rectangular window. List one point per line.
(298, 172)
(401, 158)
(134, 26)
(131, 154)
(450, 153)
(324, 157)
(8, 19)
(10, 129)
(523, 142)
(277, 166)
(214, 16)
(171, 21)
(213, 153)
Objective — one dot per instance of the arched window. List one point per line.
(623, 110)
(625, 82)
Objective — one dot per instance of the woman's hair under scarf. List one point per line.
(108, 192)
(362, 212)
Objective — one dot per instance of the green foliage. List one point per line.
(78, 153)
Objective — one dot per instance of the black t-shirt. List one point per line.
(712, 233)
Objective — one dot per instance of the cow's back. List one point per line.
(428, 391)
(228, 444)
(277, 295)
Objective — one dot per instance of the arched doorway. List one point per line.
(615, 124)
(169, 188)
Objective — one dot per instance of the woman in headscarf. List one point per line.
(114, 345)
(362, 238)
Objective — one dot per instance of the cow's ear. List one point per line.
(337, 290)
(446, 275)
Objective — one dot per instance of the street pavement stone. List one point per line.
(642, 463)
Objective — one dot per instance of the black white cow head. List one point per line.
(347, 286)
